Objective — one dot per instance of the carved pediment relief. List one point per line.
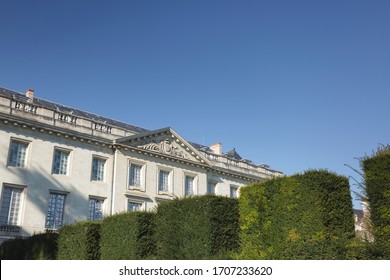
(165, 146)
(165, 142)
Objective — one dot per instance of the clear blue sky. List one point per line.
(294, 84)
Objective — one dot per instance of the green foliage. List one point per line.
(13, 249)
(360, 249)
(37, 247)
(128, 236)
(377, 182)
(201, 227)
(79, 241)
(305, 216)
(42, 247)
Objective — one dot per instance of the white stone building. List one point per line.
(59, 165)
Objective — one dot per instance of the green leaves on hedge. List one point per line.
(202, 227)
(306, 216)
(41, 246)
(79, 241)
(377, 182)
(128, 236)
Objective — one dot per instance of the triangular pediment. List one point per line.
(165, 142)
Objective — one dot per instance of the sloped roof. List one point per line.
(233, 154)
(97, 118)
(201, 147)
(76, 112)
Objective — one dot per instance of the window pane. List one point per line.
(189, 186)
(98, 169)
(17, 154)
(95, 210)
(60, 165)
(163, 181)
(211, 188)
(133, 206)
(135, 175)
(55, 211)
(10, 206)
(233, 191)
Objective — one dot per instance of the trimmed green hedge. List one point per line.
(37, 247)
(79, 241)
(305, 216)
(201, 227)
(42, 247)
(128, 236)
(377, 183)
(13, 249)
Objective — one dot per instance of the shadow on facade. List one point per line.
(38, 185)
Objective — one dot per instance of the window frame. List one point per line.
(26, 153)
(194, 178)
(142, 175)
(20, 210)
(65, 195)
(68, 164)
(170, 180)
(215, 187)
(135, 201)
(237, 192)
(96, 198)
(99, 158)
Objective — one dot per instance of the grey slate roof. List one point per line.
(65, 109)
(201, 147)
(233, 154)
(79, 113)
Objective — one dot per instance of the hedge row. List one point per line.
(37, 247)
(79, 241)
(128, 236)
(305, 216)
(202, 227)
(377, 184)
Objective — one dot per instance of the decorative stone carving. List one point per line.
(165, 146)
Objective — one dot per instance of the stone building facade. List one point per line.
(59, 165)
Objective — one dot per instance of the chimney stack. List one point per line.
(216, 148)
(30, 94)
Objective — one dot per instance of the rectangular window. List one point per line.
(55, 211)
(133, 206)
(135, 176)
(61, 162)
(163, 182)
(98, 169)
(10, 205)
(95, 209)
(211, 188)
(189, 186)
(233, 191)
(18, 154)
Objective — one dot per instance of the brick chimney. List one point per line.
(30, 94)
(216, 148)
